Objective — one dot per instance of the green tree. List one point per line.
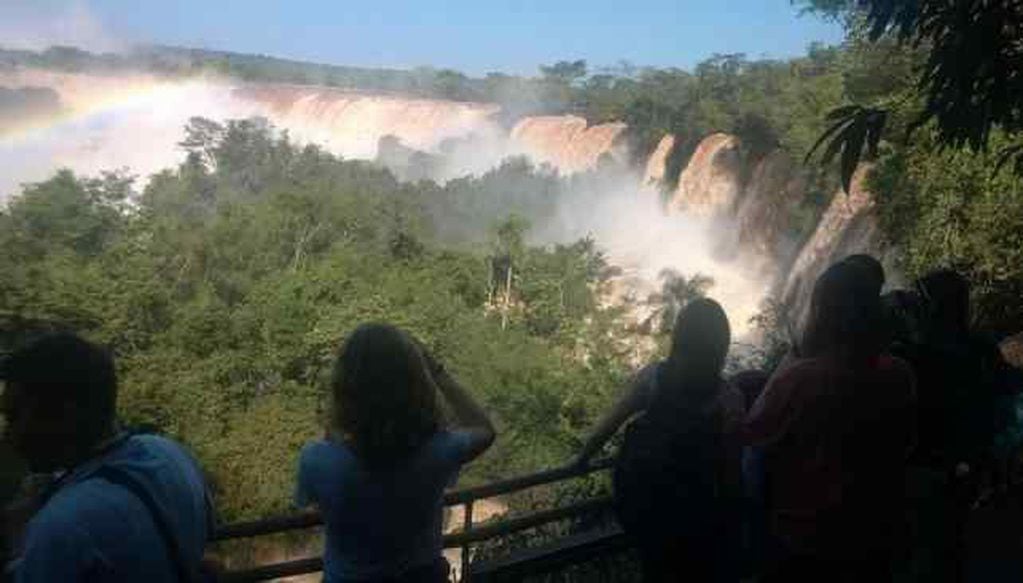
(969, 78)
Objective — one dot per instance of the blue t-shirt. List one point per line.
(94, 530)
(380, 523)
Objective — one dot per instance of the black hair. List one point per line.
(385, 402)
(691, 376)
(946, 298)
(846, 317)
(870, 269)
(64, 368)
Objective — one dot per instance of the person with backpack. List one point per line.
(677, 477)
(379, 476)
(835, 427)
(114, 507)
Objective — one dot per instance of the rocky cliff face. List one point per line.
(848, 226)
(747, 208)
(753, 211)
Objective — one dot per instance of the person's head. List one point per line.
(946, 300)
(870, 270)
(699, 345)
(384, 398)
(59, 400)
(846, 318)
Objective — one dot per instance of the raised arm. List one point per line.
(469, 415)
(634, 401)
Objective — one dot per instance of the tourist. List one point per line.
(835, 429)
(869, 274)
(119, 507)
(380, 475)
(677, 480)
(963, 377)
(967, 420)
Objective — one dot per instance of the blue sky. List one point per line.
(472, 36)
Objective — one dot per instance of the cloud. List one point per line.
(38, 25)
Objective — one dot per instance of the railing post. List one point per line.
(466, 526)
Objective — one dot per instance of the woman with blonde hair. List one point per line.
(379, 476)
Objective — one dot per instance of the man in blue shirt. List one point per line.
(121, 508)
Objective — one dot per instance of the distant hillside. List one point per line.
(175, 61)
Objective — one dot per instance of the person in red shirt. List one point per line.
(835, 427)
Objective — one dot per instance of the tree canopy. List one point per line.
(968, 81)
(227, 284)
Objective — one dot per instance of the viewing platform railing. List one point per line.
(573, 550)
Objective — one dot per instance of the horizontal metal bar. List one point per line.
(268, 526)
(569, 550)
(512, 525)
(278, 524)
(522, 482)
(274, 571)
(454, 540)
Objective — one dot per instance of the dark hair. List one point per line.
(691, 376)
(846, 318)
(870, 269)
(64, 368)
(946, 301)
(385, 402)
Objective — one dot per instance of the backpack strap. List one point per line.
(174, 552)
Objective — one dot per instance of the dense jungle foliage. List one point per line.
(227, 283)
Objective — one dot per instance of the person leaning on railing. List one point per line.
(379, 476)
(677, 476)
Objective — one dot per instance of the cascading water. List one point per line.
(657, 164)
(566, 142)
(716, 224)
(710, 183)
(351, 124)
(106, 124)
(847, 226)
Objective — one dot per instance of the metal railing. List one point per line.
(464, 539)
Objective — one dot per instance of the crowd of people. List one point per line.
(857, 459)
(865, 445)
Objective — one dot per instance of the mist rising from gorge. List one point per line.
(713, 225)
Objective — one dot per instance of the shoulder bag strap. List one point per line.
(174, 553)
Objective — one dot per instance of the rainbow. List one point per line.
(80, 96)
(126, 122)
(86, 95)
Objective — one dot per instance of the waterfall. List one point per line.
(657, 164)
(710, 182)
(847, 226)
(352, 124)
(566, 142)
(736, 212)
